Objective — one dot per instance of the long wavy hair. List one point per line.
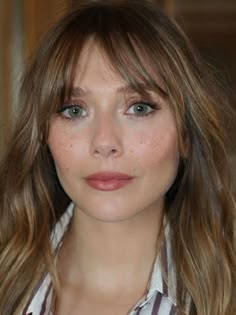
(141, 43)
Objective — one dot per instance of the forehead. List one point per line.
(93, 64)
(94, 68)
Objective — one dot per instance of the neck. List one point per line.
(94, 250)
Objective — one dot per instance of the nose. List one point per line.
(106, 137)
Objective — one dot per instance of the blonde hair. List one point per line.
(200, 208)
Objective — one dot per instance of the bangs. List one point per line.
(127, 41)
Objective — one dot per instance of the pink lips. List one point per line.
(108, 181)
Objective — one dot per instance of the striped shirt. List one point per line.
(159, 300)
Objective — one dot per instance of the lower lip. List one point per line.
(108, 185)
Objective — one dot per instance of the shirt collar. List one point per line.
(163, 278)
(42, 296)
(163, 273)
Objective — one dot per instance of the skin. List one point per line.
(114, 234)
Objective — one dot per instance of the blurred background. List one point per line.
(211, 25)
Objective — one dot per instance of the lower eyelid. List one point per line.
(144, 115)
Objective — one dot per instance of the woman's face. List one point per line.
(116, 153)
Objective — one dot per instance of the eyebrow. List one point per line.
(77, 91)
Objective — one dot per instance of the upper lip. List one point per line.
(106, 176)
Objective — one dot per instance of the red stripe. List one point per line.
(164, 261)
(173, 310)
(32, 297)
(157, 304)
(43, 309)
(139, 310)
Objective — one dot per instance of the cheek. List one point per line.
(62, 147)
(156, 149)
(165, 149)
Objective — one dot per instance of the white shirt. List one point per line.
(159, 300)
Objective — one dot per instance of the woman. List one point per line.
(115, 194)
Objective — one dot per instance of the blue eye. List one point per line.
(72, 111)
(141, 109)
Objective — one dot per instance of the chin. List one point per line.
(109, 213)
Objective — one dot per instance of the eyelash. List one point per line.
(151, 105)
(65, 107)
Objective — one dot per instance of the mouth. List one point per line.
(108, 181)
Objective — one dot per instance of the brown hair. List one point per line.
(200, 208)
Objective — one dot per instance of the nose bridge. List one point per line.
(106, 136)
